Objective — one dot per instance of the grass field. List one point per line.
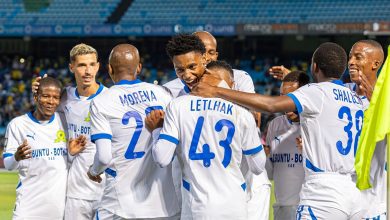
(8, 183)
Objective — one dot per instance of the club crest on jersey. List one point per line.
(60, 137)
(88, 118)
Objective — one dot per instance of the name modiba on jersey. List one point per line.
(211, 105)
(345, 96)
(137, 97)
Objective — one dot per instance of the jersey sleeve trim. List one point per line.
(5, 155)
(152, 108)
(310, 166)
(296, 102)
(95, 137)
(169, 138)
(253, 150)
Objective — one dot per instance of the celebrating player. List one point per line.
(329, 143)
(83, 195)
(210, 152)
(136, 187)
(36, 147)
(285, 161)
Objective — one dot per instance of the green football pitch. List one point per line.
(8, 181)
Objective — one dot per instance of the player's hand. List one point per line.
(23, 151)
(299, 143)
(97, 178)
(279, 72)
(35, 83)
(267, 150)
(257, 116)
(207, 86)
(77, 145)
(365, 87)
(154, 119)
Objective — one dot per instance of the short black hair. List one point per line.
(331, 59)
(221, 64)
(297, 76)
(184, 43)
(371, 43)
(49, 81)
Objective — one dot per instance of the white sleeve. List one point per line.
(243, 81)
(251, 146)
(308, 99)
(269, 166)
(13, 140)
(100, 126)
(103, 156)
(164, 148)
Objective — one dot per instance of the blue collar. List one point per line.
(128, 82)
(31, 116)
(186, 88)
(100, 89)
(338, 82)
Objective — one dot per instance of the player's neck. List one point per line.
(88, 90)
(41, 117)
(128, 77)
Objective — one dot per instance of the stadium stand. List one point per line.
(81, 12)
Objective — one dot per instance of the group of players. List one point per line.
(191, 149)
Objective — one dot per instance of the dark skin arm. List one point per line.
(252, 101)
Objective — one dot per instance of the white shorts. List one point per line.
(80, 209)
(104, 214)
(258, 204)
(329, 196)
(285, 212)
(374, 207)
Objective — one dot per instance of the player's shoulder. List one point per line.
(174, 83)
(240, 73)
(278, 122)
(21, 119)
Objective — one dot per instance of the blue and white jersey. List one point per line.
(41, 190)
(76, 110)
(242, 82)
(212, 135)
(285, 162)
(331, 117)
(136, 187)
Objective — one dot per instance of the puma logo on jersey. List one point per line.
(277, 139)
(32, 136)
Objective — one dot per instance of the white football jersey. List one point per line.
(136, 187)
(285, 161)
(242, 82)
(212, 135)
(41, 191)
(76, 110)
(331, 117)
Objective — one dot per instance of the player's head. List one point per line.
(221, 70)
(84, 64)
(329, 61)
(124, 62)
(290, 83)
(187, 53)
(210, 44)
(365, 56)
(47, 98)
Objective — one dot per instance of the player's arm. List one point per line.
(251, 146)
(254, 102)
(164, 148)
(269, 166)
(101, 136)
(23, 152)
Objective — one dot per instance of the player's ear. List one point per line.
(71, 67)
(216, 54)
(376, 64)
(110, 71)
(36, 97)
(139, 68)
(204, 60)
